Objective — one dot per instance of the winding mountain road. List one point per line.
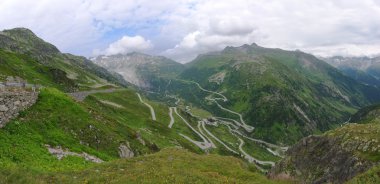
(213, 92)
(153, 114)
(271, 148)
(217, 139)
(206, 135)
(203, 145)
(252, 159)
(262, 142)
(246, 127)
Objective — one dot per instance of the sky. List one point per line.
(182, 29)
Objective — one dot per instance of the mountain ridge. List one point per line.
(59, 68)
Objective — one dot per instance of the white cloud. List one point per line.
(201, 42)
(128, 44)
(345, 50)
(184, 28)
(80, 26)
(321, 27)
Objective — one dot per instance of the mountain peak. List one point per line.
(19, 32)
(244, 46)
(254, 45)
(23, 40)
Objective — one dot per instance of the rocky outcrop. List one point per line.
(320, 159)
(14, 100)
(125, 151)
(59, 152)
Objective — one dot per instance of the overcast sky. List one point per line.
(181, 29)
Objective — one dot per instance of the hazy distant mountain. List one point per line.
(140, 69)
(363, 69)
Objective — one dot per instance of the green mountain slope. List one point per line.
(285, 95)
(326, 158)
(71, 72)
(14, 64)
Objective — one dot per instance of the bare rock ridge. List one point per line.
(336, 156)
(319, 159)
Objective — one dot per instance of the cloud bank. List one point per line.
(184, 28)
(128, 44)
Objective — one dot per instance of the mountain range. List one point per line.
(244, 114)
(285, 95)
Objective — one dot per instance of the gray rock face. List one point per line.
(125, 151)
(14, 100)
(60, 153)
(320, 159)
(3, 108)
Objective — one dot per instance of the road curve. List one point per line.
(201, 131)
(203, 145)
(221, 142)
(171, 117)
(252, 159)
(262, 142)
(153, 114)
(224, 98)
(243, 124)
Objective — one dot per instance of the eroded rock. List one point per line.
(125, 151)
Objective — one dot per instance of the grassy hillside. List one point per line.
(167, 166)
(57, 120)
(98, 126)
(136, 116)
(93, 126)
